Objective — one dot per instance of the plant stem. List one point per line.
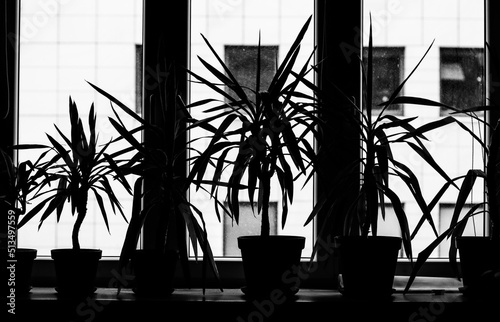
(266, 191)
(82, 212)
(370, 191)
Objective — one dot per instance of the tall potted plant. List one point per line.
(162, 187)
(70, 175)
(355, 199)
(261, 134)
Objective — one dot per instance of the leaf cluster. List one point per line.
(377, 164)
(161, 186)
(69, 169)
(258, 136)
(18, 181)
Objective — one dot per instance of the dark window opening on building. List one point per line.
(388, 70)
(242, 61)
(461, 76)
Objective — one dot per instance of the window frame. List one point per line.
(11, 11)
(339, 22)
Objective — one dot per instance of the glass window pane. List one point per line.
(249, 224)
(232, 28)
(63, 45)
(451, 73)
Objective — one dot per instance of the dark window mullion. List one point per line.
(492, 35)
(10, 12)
(165, 44)
(339, 45)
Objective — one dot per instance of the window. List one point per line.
(452, 23)
(241, 60)
(461, 73)
(232, 28)
(63, 45)
(388, 67)
(451, 72)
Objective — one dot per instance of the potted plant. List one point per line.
(356, 197)
(261, 136)
(162, 187)
(479, 255)
(70, 176)
(18, 181)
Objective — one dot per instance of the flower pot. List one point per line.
(24, 266)
(270, 263)
(75, 271)
(19, 278)
(479, 264)
(367, 265)
(154, 272)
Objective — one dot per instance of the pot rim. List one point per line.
(474, 237)
(271, 241)
(259, 237)
(60, 252)
(381, 241)
(369, 237)
(27, 250)
(67, 250)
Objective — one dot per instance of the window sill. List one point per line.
(429, 298)
(231, 272)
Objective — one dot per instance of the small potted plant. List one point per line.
(162, 187)
(70, 175)
(18, 181)
(261, 136)
(355, 199)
